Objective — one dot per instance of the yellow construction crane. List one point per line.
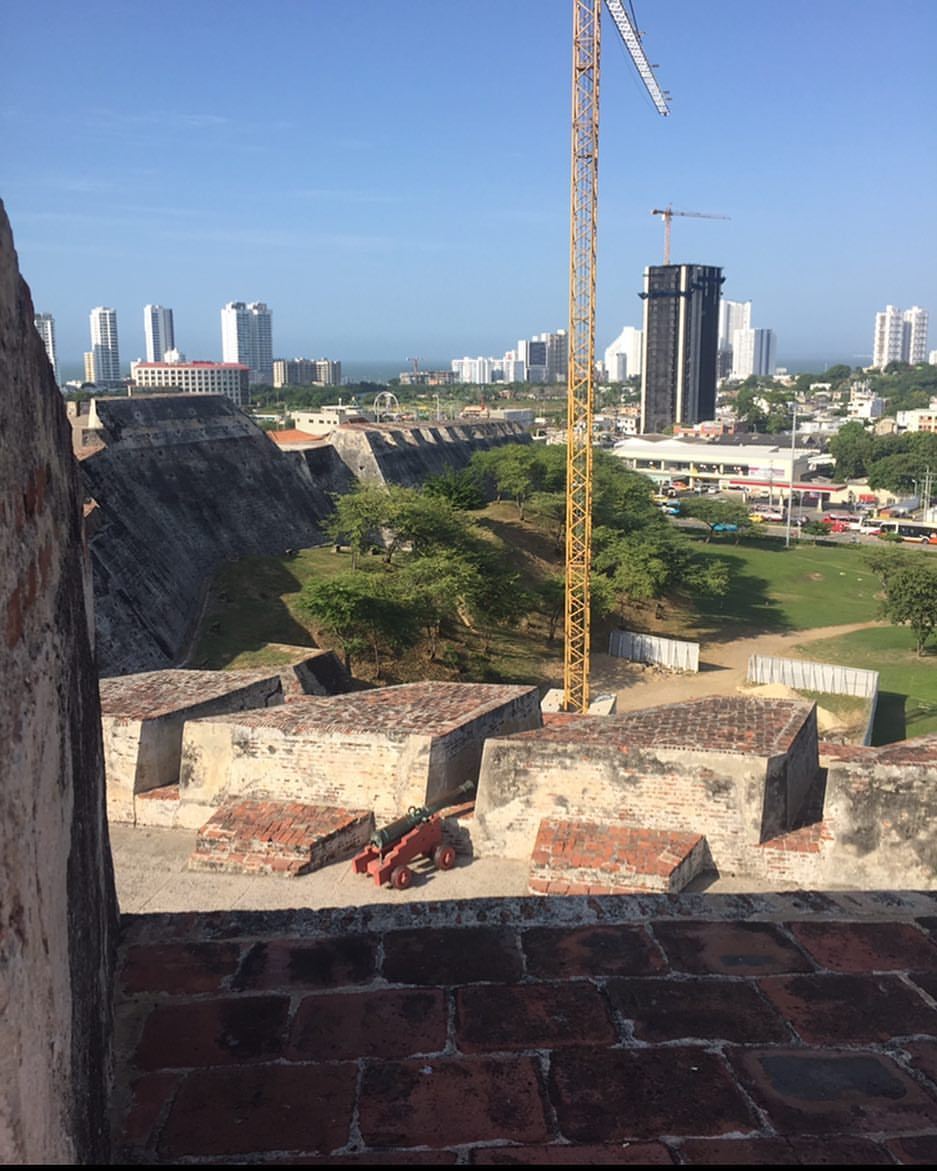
(587, 34)
(667, 213)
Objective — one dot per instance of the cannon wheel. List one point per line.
(444, 857)
(401, 877)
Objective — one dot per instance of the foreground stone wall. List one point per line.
(57, 904)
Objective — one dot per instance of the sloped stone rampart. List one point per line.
(58, 911)
(183, 482)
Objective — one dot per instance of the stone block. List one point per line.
(385, 749)
(586, 854)
(299, 965)
(278, 837)
(452, 956)
(386, 1023)
(728, 949)
(555, 953)
(493, 1017)
(143, 717)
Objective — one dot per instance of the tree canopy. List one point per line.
(909, 582)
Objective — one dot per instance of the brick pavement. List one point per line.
(591, 858)
(287, 838)
(645, 1029)
(730, 723)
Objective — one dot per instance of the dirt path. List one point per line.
(722, 668)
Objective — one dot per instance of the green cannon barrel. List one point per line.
(386, 837)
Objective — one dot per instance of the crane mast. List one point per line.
(587, 34)
(667, 213)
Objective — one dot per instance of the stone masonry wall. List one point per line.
(225, 758)
(720, 795)
(184, 482)
(409, 455)
(58, 912)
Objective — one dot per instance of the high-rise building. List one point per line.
(915, 334)
(733, 315)
(623, 356)
(900, 336)
(247, 338)
(104, 348)
(681, 336)
(45, 323)
(754, 352)
(306, 372)
(888, 343)
(158, 328)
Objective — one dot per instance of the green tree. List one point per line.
(549, 510)
(359, 518)
(852, 448)
(513, 469)
(717, 512)
(461, 487)
(439, 587)
(362, 611)
(550, 599)
(910, 587)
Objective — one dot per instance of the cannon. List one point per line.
(417, 834)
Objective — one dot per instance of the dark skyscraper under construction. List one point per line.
(681, 340)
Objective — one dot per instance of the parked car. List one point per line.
(725, 528)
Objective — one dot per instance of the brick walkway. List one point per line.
(645, 1029)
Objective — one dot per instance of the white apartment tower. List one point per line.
(623, 356)
(733, 315)
(45, 323)
(900, 336)
(247, 337)
(105, 354)
(158, 328)
(754, 352)
(915, 334)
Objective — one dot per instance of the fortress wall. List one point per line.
(524, 779)
(58, 909)
(411, 455)
(184, 482)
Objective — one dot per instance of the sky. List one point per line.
(392, 176)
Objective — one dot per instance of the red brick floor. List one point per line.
(639, 1029)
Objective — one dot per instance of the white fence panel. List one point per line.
(672, 653)
(807, 675)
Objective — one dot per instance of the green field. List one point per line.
(778, 589)
(907, 701)
(254, 603)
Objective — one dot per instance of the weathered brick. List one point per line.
(921, 1148)
(607, 1095)
(261, 1108)
(449, 1101)
(540, 1016)
(866, 947)
(807, 1152)
(213, 1032)
(830, 1091)
(179, 968)
(150, 1096)
(295, 964)
(566, 1155)
(923, 1056)
(452, 955)
(711, 1010)
(385, 1023)
(835, 1009)
(556, 953)
(732, 949)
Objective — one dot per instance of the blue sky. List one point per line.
(392, 177)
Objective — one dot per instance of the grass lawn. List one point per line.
(907, 701)
(778, 589)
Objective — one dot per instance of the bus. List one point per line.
(918, 532)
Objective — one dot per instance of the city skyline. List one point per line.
(443, 225)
